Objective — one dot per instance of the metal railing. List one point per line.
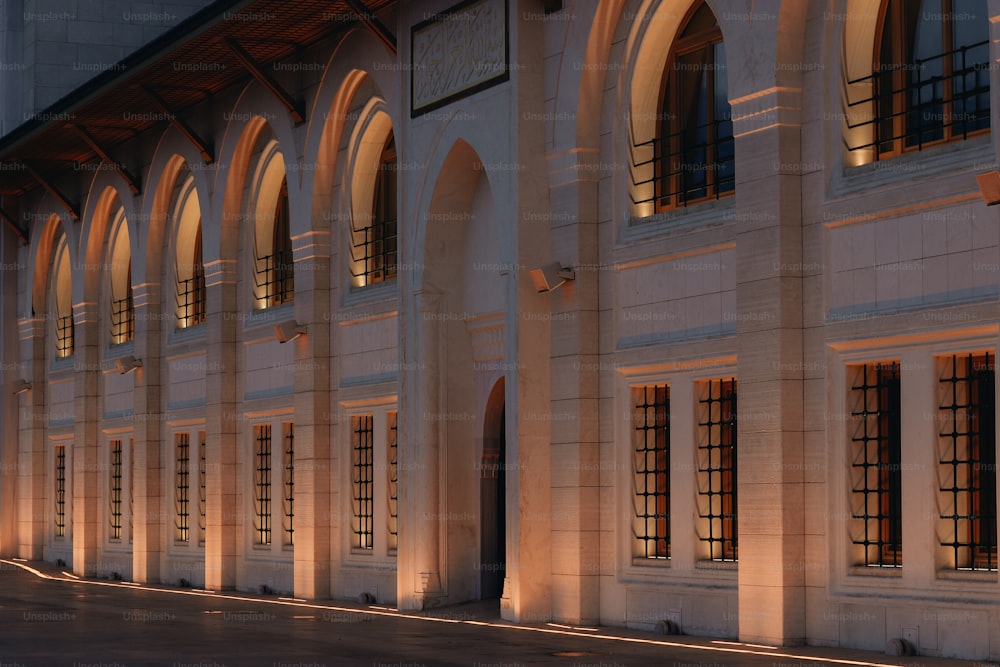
(945, 97)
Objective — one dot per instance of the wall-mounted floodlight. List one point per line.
(127, 364)
(21, 386)
(551, 276)
(989, 187)
(288, 330)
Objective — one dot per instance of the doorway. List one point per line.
(493, 501)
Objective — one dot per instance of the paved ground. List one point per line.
(49, 622)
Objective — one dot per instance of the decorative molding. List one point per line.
(461, 51)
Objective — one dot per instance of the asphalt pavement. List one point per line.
(49, 619)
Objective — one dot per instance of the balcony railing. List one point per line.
(373, 253)
(274, 278)
(190, 300)
(929, 101)
(690, 166)
(122, 320)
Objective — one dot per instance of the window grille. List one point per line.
(183, 478)
(122, 320)
(275, 273)
(202, 485)
(363, 473)
(718, 468)
(64, 336)
(933, 81)
(116, 489)
(968, 460)
(262, 483)
(373, 245)
(651, 456)
(191, 299)
(289, 483)
(876, 462)
(393, 450)
(692, 158)
(60, 491)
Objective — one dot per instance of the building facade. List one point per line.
(622, 311)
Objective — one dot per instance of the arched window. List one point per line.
(189, 268)
(694, 157)
(62, 297)
(373, 209)
(274, 275)
(931, 82)
(122, 312)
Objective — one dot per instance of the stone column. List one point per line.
(34, 494)
(423, 454)
(770, 366)
(149, 513)
(86, 456)
(313, 435)
(576, 473)
(224, 512)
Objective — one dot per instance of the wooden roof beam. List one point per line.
(266, 80)
(133, 183)
(371, 22)
(52, 190)
(202, 147)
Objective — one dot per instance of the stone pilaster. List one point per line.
(149, 512)
(224, 516)
(313, 435)
(85, 461)
(769, 367)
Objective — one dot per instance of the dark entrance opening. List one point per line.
(493, 502)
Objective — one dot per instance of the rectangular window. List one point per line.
(116, 489)
(202, 485)
(651, 462)
(131, 488)
(876, 460)
(362, 465)
(262, 483)
(393, 455)
(60, 490)
(122, 319)
(717, 467)
(288, 466)
(182, 490)
(968, 479)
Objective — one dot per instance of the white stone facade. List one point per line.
(821, 262)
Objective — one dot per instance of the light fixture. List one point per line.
(551, 276)
(21, 386)
(127, 364)
(989, 187)
(288, 330)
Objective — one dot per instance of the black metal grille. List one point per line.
(64, 336)
(275, 278)
(718, 468)
(289, 483)
(202, 485)
(876, 461)
(651, 440)
(116, 489)
(687, 167)
(60, 494)
(363, 467)
(262, 483)
(182, 496)
(373, 246)
(968, 460)
(941, 98)
(122, 320)
(191, 299)
(393, 483)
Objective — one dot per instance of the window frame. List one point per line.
(669, 110)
